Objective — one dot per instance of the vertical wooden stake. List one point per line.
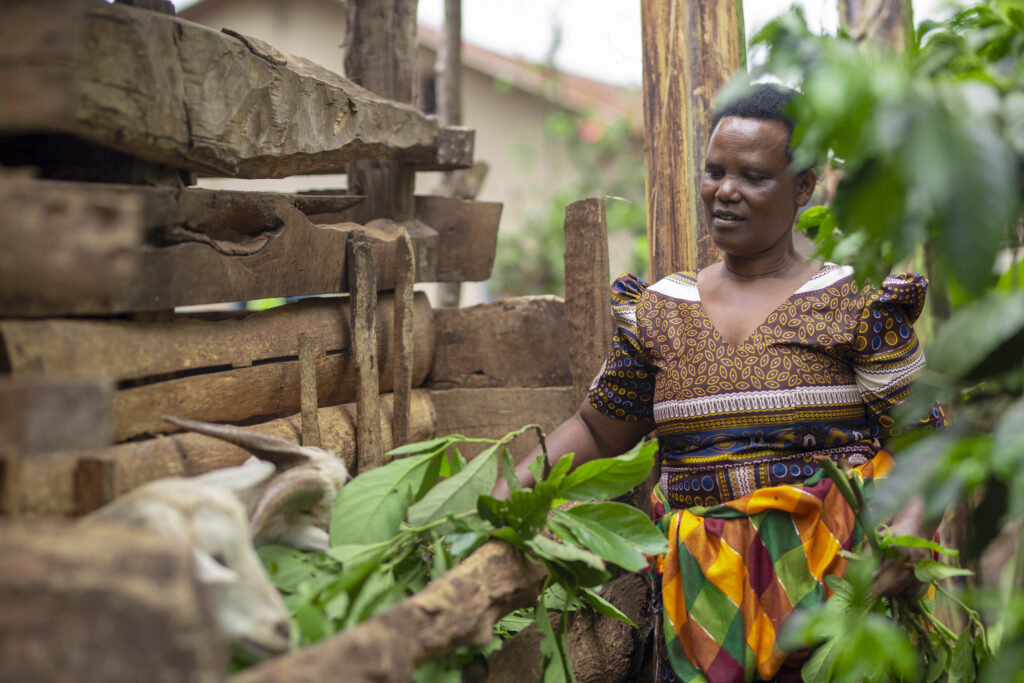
(309, 353)
(586, 291)
(448, 74)
(362, 283)
(10, 484)
(405, 276)
(690, 49)
(94, 484)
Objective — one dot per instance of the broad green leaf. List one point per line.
(538, 468)
(337, 607)
(357, 561)
(370, 508)
(452, 463)
(842, 592)
(1008, 446)
(966, 341)
(459, 493)
(626, 522)
(961, 664)
(547, 549)
(928, 571)
(508, 470)
(819, 667)
(426, 447)
(378, 592)
(560, 470)
(610, 477)
(602, 541)
(917, 542)
(312, 623)
(554, 647)
(287, 566)
(604, 607)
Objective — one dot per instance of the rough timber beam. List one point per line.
(178, 94)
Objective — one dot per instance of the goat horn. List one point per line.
(279, 451)
(294, 489)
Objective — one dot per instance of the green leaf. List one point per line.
(966, 343)
(538, 467)
(1008, 444)
(600, 540)
(624, 521)
(610, 477)
(604, 607)
(554, 647)
(378, 592)
(370, 508)
(918, 542)
(928, 571)
(459, 493)
(508, 469)
(312, 623)
(547, 549)
(452, 463)
(426, 447)
(337, 607)
(962, 668)
(357, 561)
(819, 667)
(288, 567)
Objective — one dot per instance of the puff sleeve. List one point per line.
(887, 356)
(624, 387)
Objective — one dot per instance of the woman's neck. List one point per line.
(762, 266)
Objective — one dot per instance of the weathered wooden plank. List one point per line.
(39, 414)
(492, 413)
(101, 604)
(469, 231)
(455, 149)
(515, 342)
(458, 608)
(380, 55)
(309, 352)
(180, 94)
(690, 50)
(363, 284)
(264, 389)
(95, 258)
(403, 335)
(588, 312)
(129, 350)
(46, 483)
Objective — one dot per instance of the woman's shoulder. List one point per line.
(629, 289)
(901, 292)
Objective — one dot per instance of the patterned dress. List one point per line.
(738, 426)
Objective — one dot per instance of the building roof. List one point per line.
(578, 93)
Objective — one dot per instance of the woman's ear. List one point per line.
(806, 181)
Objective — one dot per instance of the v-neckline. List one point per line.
(757, 328)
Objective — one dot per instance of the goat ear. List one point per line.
(279, 451)
(297, 489)
(209, 570)
(245, 478)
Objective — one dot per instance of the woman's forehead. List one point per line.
(766, 140)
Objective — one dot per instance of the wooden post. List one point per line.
(690, 49)
(381, 57)
(94, 484)
(363, 287)
(888, 22)
(405, 272)
(309, 354)
(587, 309)
(448, 72)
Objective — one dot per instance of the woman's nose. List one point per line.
(727, 190)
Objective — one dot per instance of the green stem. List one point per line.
(437, 522)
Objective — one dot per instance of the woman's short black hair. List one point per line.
(764, 101)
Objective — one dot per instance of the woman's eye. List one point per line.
(713, 173)
(755, 179)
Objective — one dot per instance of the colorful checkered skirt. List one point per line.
(734, 573)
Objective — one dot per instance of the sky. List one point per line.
(599, 38)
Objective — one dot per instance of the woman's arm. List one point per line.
(589, 434)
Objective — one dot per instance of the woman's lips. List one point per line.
(725, 219)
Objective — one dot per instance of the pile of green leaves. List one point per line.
(399, 526)
(931, 147)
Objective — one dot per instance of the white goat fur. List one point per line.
(207, 514)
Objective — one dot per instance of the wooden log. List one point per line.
(266, 389)
(101, 604)
(588, 312)
(46, 483)
(94, 484)
(128, 350)
(95, 257)
(183, 95)
(39, 414)
(492, 413)
(309, 352)
(515, 342)
(363, 285)
(459, 608)
(403, 335)
(469, 231)
(690, 50)
(455, 149)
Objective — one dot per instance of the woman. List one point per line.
(748, 369)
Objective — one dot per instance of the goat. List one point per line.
(209, 517)
(294, 507)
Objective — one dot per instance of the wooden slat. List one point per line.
(363, 285)
(309, 353)
(690, 49)
(455, 150)
(128, 350)
(183, 95)
(515, 342)
(46, 484)
(101, 604)
(469, 231)
(403, 335)
(97, 254)
(586, 292)
(43, 414)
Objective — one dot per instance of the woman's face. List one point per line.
(749, 194)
